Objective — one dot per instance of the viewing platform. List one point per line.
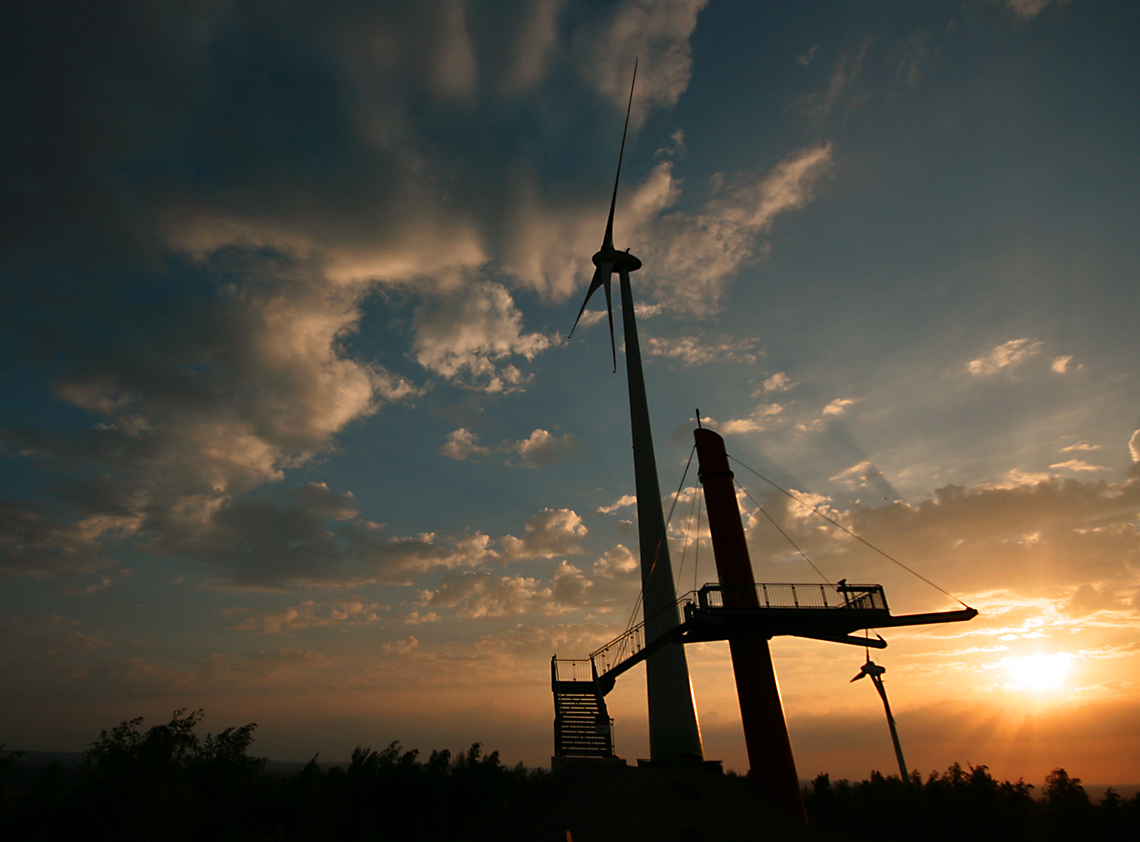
(829, 611)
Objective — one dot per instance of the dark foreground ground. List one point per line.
(166, 783)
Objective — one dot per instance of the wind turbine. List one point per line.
(674, 734)
(876, 674)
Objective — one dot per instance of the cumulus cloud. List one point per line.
(544, 448)
(477, 594)
(759, 419)
(622, 502)
(462, 445)
(617, 562)
(1004, 356)
(778, 382)
(1061, 364)
(1134, 446)
(539, 448)
(549, 533)
(1029, 538)
(470, 336)
(838, 407)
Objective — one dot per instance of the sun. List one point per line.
(1037, 672)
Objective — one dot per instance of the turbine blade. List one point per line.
(608, 240)
(610, 312)
(601, 278)
(860, 675)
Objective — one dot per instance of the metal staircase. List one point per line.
(582, 726)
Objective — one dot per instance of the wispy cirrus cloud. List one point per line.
(1026, 9)
(310, 614)
(658, 32)
(1005, 356)
(692, 350)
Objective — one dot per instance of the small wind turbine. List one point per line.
(673, 730)
(876, 673)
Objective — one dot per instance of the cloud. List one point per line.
(617, 562)
(657, 32)
(1004, 356)
(806, 57)
(536, 42)
(760, 419)
(1134, 446)
(50, 634)
(1081, 445)
(309, 614)
(690, 350)
(319, 499)
(462, 446)
(400, 647)
(845, 74)
(1077, 465)
(34, 545)
(1031, 538)
(778, 382)
(1061, 364)
(700, 251)
(549, 533)
(1026, 9)
(860, 475)
(478, 594)
(838, 407)
(467, 337)
(538, 449)
(543, 448)
(620, 503)
(273, 543)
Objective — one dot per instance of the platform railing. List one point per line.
(827, 595)
(571, 669)
(711, 597)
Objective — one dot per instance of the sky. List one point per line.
(291, 429)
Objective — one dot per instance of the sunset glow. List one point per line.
(293, 429)
(1037, 672)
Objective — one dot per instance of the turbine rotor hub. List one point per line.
(622, 261)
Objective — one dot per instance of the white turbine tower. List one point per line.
(674, 734)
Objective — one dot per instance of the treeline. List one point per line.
(968, 804)
(166, 783)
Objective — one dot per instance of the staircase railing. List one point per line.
(634, 639)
